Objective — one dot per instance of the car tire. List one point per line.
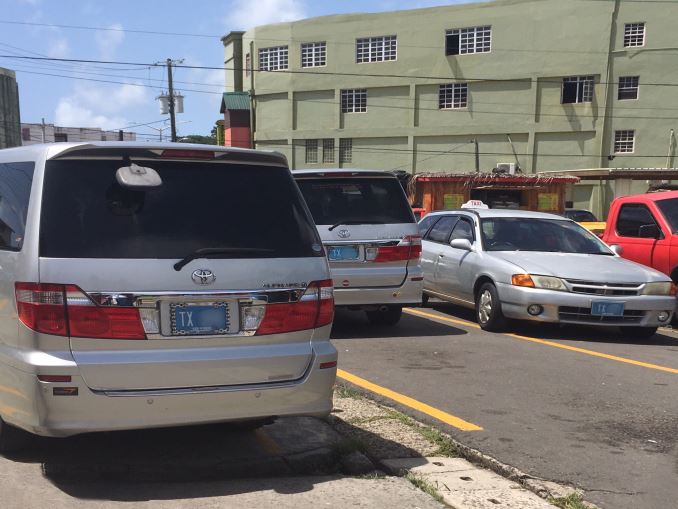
(11, 438)
(639, 332)
(390, 316)
(488, 309)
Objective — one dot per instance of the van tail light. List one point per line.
(409, 248)
(314, 309)
(65, 310)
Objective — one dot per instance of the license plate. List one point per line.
(607, 308)
(342, 253)
(200, 318)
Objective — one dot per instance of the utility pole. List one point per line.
(253, 115)
(171, 101)
(42, 126)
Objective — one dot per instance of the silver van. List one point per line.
(371, 239)
(148, 285)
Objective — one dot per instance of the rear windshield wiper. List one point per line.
(355, 221)
(213, 252)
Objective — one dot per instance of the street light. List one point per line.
(163, 128)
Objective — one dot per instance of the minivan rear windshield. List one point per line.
(341, 199)
(87, 214)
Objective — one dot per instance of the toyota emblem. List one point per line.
(203, 277)
(344, 234)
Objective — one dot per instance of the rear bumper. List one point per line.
(566, 307)
(31, 404)
(408, 294)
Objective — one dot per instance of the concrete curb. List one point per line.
(541, 487)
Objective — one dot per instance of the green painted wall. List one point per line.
(515, 89)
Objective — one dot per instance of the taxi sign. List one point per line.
(474, 204)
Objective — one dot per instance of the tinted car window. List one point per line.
(541, 235)
(15, 191)
(426, 223)
(463, 230)
(87, 214)
(669, 209)
(335, 200)
(442, 230)
(631, 217)
(580, 216)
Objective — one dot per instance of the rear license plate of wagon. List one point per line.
(200, 318)
(342, 253)
(601, 308)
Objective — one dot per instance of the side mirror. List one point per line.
(617, 249)
(464, 244)
(649, 231)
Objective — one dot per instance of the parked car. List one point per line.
(140, 294)
(580, 215)
(371, 238)
(538, 267)
(644, 228)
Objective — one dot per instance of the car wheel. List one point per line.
(639, 332)
(11, 438)
(488, 309)
(389, 316)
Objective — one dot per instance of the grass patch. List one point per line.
(343, 391)
(445, 445)
(424, 486)
(367, 420)
(573, 501)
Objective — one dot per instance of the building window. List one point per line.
(624, 142)
(628, 88)
(376, 49)
(466, 41)
(577, 89)
(354, 100)
(452, 96)
(328, 150)
(312, 151)
(60, 137)
(248, 64)
(345, 150)
(313, 54)
(634, 35)
(273, 59)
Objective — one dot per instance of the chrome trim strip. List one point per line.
(455, 300)
(149, 299)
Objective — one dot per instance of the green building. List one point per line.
(532, 86)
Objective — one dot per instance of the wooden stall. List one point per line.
(525, 192)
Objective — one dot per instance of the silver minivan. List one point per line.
(148, 285)
(371, 238)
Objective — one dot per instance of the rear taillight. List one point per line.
(314, 309)
(409, 248)
(65, 310)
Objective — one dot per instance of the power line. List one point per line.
(107, 29)
(323, 73)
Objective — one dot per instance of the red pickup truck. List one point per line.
(645, 226)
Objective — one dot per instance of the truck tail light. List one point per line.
(65, 310)
(314, 309)
(409, 248)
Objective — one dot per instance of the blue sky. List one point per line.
(81, 103)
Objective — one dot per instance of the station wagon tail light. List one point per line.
(409, 248)
(314, 309)
(65, 310)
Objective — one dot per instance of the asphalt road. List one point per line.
(572, 405)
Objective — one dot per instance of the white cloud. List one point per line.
(58, 48)
(104, 107)
(246, 14)
(108, 41)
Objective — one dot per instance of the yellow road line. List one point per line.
(267, 443)
(593, 353)
(438, 317)
(409, 402)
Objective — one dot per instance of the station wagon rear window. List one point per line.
(87, 214)
(376, 200)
